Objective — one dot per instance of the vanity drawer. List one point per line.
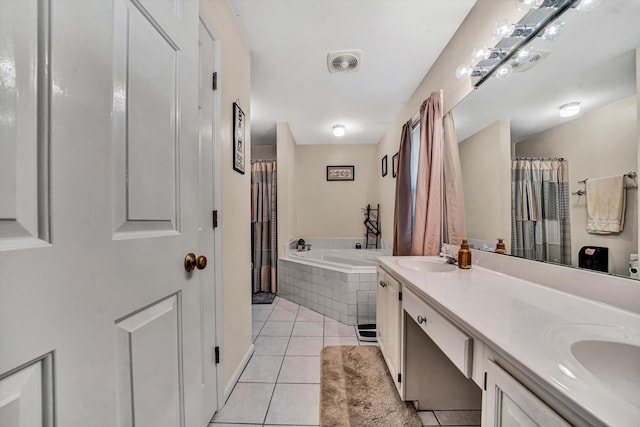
(457, 345)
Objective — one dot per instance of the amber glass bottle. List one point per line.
(500, 248)
(464, 255)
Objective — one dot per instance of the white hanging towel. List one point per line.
(606, 201)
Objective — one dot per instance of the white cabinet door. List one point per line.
(388, 311)
(381, 310)
(100, 324)
(508, 403)
(393, 331)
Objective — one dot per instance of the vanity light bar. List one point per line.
(562, 7)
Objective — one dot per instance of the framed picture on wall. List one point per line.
(384, 165)
(238, 138)
(341, 173)
(394, 164)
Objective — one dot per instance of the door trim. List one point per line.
(217, 205)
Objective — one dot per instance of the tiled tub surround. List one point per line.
(332, 278)
(346, 296)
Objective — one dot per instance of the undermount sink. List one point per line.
(426, 265)
(615, 364)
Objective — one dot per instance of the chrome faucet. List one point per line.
(449, 256)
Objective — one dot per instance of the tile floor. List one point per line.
(280, 385)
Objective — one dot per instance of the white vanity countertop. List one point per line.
(536, 326)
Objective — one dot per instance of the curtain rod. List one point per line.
(416, 117)
(560, 159)
(263, 160)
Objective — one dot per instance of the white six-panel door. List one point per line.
(100, 185)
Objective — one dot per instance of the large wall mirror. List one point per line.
(593, 63)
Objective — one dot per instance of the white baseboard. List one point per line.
(236, 375)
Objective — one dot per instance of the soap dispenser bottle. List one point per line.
(500, 247)
(464, 255)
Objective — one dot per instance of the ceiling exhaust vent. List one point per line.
(536, 57)
(341, 61)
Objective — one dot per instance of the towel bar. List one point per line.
(631, 175)
(583, 192)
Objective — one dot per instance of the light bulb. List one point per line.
(503, 71)
(502, 30)
(588, 5)
(525, 5)
(339, 130)
(464, 71)
(479, 54)
(569, 109)
(553, 31)
(524, 55)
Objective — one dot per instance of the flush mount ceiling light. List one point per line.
(510, 51)
(339, 130)
(569, 109)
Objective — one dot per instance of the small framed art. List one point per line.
(394, 165)
(341, 173)
(238, 138)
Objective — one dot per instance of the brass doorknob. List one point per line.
(201, 262)
(190, 262)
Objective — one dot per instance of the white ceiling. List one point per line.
(290, 39)
(593, 63)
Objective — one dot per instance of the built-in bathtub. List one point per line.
(339, 283)
(344, 260)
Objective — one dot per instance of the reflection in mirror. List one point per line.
(593, 63)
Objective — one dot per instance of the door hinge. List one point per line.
(214, 219)
(399, 377)
(216, 352)
(214, 81)
(399, 296)
(484, 385)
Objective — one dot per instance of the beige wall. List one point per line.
(329, 208)
(486, 174)
(235, 216)
(287, 213)
(263, 152)
(601, 143)
(308, 205)
(474, 31)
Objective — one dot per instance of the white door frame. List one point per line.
(217, 205)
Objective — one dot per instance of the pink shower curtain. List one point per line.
(402, 212)
(427, 219)
(453, 228)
